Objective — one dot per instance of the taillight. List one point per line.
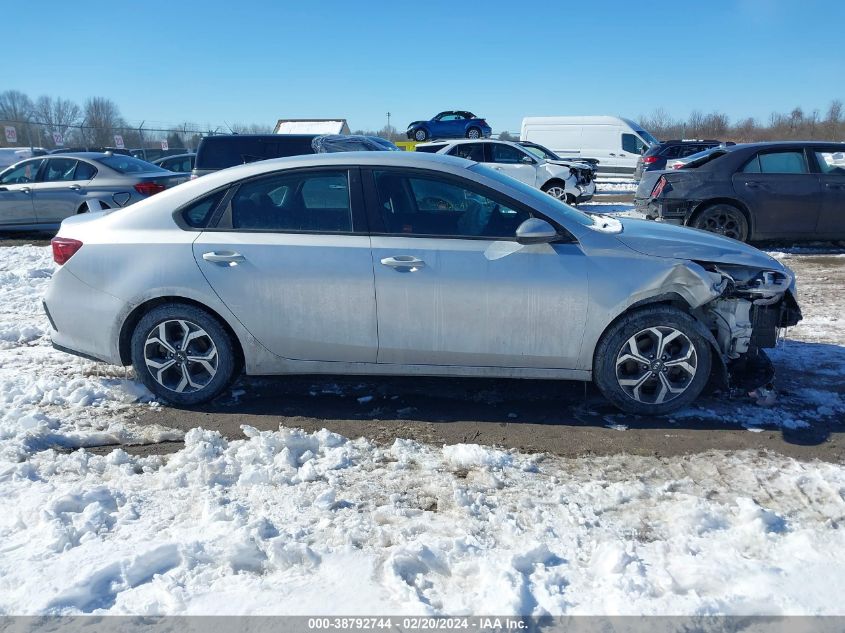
(64, 248)
(658, 188)
(648, 160)
(149, 188)
(677, 165)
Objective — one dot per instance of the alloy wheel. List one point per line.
(473, 133)
(557, 192)
(656, 365)
(419, 135)
(180, 356)
(722, 222)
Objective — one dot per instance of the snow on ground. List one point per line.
(291, 522)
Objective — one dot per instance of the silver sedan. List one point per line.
(39, 193)
(415, 264)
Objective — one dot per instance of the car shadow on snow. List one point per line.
(562, 417)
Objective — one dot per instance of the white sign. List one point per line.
(57, 138)
(164, 145)
(11, 134)
(118, 141)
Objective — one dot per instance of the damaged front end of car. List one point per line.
(752, 306)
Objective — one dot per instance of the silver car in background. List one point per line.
(38, 193)
(402, 263)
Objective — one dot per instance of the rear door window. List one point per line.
(312, 201)
(786, 162)
(59, 169)
(470, 151)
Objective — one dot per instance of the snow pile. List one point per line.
(294, 523)
(48, 398)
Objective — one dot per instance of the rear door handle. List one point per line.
(24, 189)
(403, 263)
(752, 185)
(224, 258)
(74, 187)
(831, 185)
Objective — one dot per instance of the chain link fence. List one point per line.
(39, 135)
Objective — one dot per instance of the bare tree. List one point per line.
(507, 136)
(16, 110)
(58, 115)
(102, 117)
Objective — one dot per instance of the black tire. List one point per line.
(473, 132)
(215, 337)
(420, 135)
(722, 219)
(613, 361)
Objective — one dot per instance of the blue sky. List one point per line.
(216, 61)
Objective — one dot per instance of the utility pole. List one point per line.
(388, 126)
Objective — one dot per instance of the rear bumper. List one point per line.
(84, 321)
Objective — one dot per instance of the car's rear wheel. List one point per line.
(420, 135)
(652, 362)
(473, 132)
(182, 354)
(723, 219)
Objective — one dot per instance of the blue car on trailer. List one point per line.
(449, 124)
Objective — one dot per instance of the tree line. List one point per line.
(39, 122)
(794, 125)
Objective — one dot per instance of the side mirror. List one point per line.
(526, 160)
(536, 231)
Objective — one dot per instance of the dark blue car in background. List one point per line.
(449, 124)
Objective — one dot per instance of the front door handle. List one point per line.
(752, 185)
(403, 263)
(224, 258)
(831, 185)
(74, 187)
(612, 154)
(24, 189)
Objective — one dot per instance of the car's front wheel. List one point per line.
(723, 219)
(182, 354)
(652, 362)
(420, 135)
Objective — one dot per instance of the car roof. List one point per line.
(766, 144)
(169, 156)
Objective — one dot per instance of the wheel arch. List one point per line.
(677, 301)
(132, 319)
(711, 202)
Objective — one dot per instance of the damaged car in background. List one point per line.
(405, 263)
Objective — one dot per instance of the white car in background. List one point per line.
(569, 181)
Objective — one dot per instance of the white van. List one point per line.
(615, 142)
(11, 155)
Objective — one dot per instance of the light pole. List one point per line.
(388, 126)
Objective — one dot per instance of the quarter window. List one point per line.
(84, 171)
(790, 162)
(423, 205)
(198, 214)
(307, 201)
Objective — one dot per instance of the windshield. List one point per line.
(541, 152)
(569, 212)
(648, 138)
(128, 165)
